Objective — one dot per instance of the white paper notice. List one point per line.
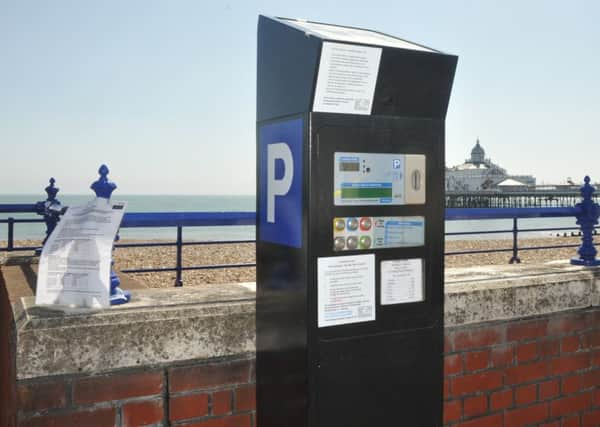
(75, 262)
(346, 289)
(401, 281)
(346, 79)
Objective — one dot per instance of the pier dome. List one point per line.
(477, 154)
(480, 174)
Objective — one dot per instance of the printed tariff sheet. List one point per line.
(402, 281)
(75, 262)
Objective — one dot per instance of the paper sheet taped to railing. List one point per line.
(75, 262)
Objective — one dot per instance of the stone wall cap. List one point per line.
(160, 326)
(493, 293)
(499, 276)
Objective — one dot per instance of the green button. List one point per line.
(365, 242)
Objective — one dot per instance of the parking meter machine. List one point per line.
(350, 227)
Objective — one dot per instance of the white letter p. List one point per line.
(278, 187)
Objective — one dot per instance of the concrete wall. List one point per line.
(522, 349)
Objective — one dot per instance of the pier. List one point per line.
(513, 199)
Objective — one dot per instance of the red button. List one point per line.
(365, 223)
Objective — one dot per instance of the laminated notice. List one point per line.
(346, 289)
(346, 78)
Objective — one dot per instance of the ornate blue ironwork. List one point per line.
(587, 217)
(51, 209)
(103, 189)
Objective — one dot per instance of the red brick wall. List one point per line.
(540, 372)
(8, 401)
(216, 394)
(543, 372)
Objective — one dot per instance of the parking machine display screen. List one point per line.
(378, 179)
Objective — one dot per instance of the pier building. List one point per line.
(480, 174)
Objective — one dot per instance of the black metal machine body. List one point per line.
(350, 154)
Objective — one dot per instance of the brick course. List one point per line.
(541, 372)
(531, 372)
(201, 394)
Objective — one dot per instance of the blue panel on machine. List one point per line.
(280, 182)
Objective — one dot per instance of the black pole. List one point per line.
(11, 232)
(178, 281)
(515, 256)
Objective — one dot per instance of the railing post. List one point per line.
(178, 281)
(51, 210)
(515, 255)
(103, 189)
(587, 218)
(11, 234)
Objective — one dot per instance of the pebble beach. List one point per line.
(152, 257)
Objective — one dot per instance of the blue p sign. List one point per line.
(280, 182)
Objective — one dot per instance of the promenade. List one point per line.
(126, 258)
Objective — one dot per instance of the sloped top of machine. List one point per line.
(353, 35)
(385, 76)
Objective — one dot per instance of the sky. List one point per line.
(164, 92)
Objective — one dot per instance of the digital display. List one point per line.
(367, 192)
(349, 166)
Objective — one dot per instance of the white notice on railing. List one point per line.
(346, 79)
(75, 263)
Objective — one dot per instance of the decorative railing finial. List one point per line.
(103, 187)
(587, 219)
(51, 190)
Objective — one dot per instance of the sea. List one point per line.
(189, 203)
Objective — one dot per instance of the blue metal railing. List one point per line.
(455, 214)
(505, 213)
(204, 219)
(149, 220)
(187, 219)
(587, 213)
